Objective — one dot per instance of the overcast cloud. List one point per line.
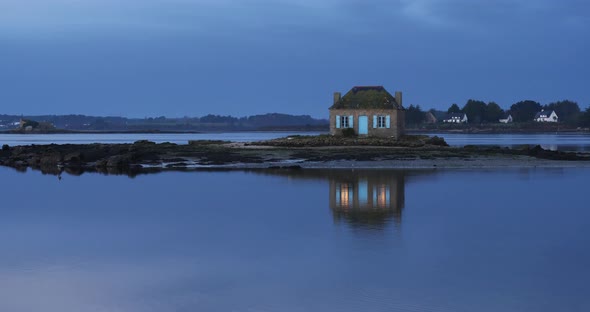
(193, 57)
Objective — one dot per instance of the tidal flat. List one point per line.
(290, 152)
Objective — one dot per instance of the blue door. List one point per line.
(363, 125)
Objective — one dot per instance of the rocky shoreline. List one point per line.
(291, 152)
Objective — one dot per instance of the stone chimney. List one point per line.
(398, 98)
(337, 97)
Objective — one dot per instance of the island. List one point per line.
(293, 152)
(366, 130)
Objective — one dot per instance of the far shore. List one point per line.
(19, 132)
(474, 130)
(499, 131)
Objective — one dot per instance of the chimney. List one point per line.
(398, 98)
(337, 97)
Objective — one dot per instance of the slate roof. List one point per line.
(454, 115)
(544, 114)
(363, 97)
(439, 115)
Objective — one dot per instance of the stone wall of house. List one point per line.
(395, 130)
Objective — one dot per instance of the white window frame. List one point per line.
(344, 122)
(381, 122)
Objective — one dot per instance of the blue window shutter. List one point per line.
(350, 121)
(374, 121)
(337, 122)
(387, 121)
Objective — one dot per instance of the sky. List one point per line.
(146, 58)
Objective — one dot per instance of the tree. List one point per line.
(475, 110)
(454, 109)
(567, 111)
(524, 111)
(493, 112)
(585, 118)
(414, 115)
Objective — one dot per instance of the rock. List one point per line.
(50, 159)
(119, 161)
(144, 142)
(75, 157)
(95, 152)
(17, 150)
(438, 141)
(33, 160)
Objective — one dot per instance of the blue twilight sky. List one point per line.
(141, 58)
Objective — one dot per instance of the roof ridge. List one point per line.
(367, 97)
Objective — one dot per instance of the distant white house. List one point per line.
(506, 118)
(455, 118)
(546, 116)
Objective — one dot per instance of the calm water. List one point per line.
(563, 141)
(301, 241)
(178, 138)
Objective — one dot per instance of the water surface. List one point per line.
(562, 141)
(114, 138)
(552, 141)
(309, 240)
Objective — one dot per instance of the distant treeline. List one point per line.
(206, 123)
(479, 112)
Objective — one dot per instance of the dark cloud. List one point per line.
(191, 57)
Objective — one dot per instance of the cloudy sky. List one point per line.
(141, 58)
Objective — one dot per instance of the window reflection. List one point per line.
(381, 194)
(344, 194)
(369, 198)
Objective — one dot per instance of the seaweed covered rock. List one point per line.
(144, 142)
(119, 161)
(436, 140)
(73, 158)
(329, 140)
(50, 158)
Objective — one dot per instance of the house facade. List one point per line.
(455, 118)
(369, 111)
(546, 116)
(506, 118)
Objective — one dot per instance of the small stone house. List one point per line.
(370, 111)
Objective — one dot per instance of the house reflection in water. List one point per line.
(362, 198)
(370, 198)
